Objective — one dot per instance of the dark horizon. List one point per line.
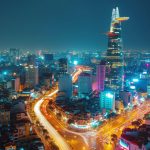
(71, 25)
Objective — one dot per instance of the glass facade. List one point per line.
(114, 56)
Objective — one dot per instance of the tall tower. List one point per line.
(114, 56)
(31, 76)
(14, 56)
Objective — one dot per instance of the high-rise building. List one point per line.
(63, 65)
(16, 84)
(48, 58)
(31, 59)
(107, 100)
(84, 84)
(65, 84)
(114, 56)
(100, 75)
(14, 56)
(48, 79)
(31, 76)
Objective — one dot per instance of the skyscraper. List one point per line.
(31, 59)
(31, 76)
(107, 100)
(14, 56)
(84, 84)
(100, 75)
(65, 84)
(114, 56)
(63, 65)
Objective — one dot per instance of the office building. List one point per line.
(48, 79)
(48, 58)
(63, 65)
(84, 84)
(31, 76)
(14, 56)
(107, 100)
(65, 84)
(126, 97)
(16, 84)
(31, 60)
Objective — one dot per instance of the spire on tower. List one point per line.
(117, 13)
(113, 14)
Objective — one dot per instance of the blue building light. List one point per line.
(41, 57)
(109, 95)
(135, 80)
(124, 145)
(145, 72)
(5, 73)
(132, 87)
(75, 62)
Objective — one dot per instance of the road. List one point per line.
(65, 139)
(59, 140)
(116, 126)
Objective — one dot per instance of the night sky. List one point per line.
(71, 24)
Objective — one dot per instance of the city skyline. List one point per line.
(70, 25)
(74, 99)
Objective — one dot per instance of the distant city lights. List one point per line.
(75, 62)
(5, 73)
(135, 80)
(132, 87)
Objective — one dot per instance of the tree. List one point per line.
(114, 138)
(45, 132)
(70, 121)
(136, 124)
(53, 146)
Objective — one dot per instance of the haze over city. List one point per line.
(71, 24)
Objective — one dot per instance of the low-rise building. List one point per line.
(136, 139)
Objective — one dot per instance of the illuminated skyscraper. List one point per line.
(107, 100)
(31, 76)
(14, 56)
(63, 65)
(31, 59)
(65, 84)
(100, 75)
(84, 84)
(114, 56)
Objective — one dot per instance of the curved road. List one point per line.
(59, 140)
